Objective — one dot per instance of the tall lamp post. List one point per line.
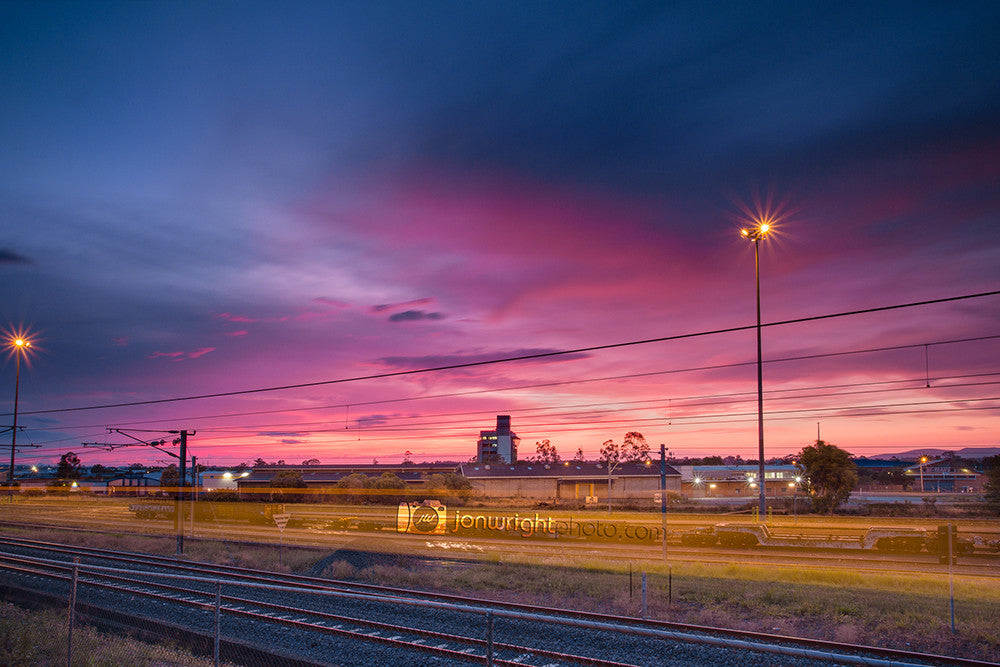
(795, 497)
(20, 346)
(756, 234)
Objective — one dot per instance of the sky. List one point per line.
(295, 207)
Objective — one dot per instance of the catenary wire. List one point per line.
(524, 357)
(560, 383)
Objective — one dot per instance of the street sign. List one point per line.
(281, 520)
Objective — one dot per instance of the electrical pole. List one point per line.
(179, 503)
(663, 496)
(180, 495)
(194, 489)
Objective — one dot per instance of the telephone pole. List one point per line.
(179, 502)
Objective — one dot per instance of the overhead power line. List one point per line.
(561, 383)
(523, 357)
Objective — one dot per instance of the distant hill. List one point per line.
(965, 453)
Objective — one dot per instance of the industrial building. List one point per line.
(945, 475)
(569, 480)
(498, 445)
(738, 481)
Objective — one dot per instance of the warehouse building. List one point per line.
(569, 480)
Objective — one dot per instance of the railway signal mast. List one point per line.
(182, 456)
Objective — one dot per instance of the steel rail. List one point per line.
(131, 589)
(632, 628)
(728, 644)
(319, 584)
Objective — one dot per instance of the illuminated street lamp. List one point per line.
(795, 496)
(19, 345)
(756, 234)
(923, 460)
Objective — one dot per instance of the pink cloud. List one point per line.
(236, 318)
(180, 356)
(171, 355)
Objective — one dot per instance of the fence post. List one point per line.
(951, 572)
(489, 639)
(72, 607)
(218, 614)
(644, 595)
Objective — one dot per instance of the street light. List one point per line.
(795, 497)
(923, 460)
(756, 234)
(19, 345)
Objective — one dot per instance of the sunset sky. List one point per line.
(214, 197)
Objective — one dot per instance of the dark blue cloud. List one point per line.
(11, 257)
(414, 316)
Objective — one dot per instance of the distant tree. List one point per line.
(170, 479)
(455, 482)
(992, 486)
(389, 489)
(884, 477)
(712, 461)
(374, 462)
(284, 486)
(830, 475)
(97, 470)
(579, 456)
(69, 466)
(351, 489)
(59, 487)
(407, 457)
(610, 452)
(449, 483)
(545, 452)
(258, 462)
(634, 447)
(311, 462)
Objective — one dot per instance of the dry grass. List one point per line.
(30, 638)
(898, 611)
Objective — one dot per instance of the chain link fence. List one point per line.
(114, 616)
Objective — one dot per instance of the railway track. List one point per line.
(309, 620)
(985, 565)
